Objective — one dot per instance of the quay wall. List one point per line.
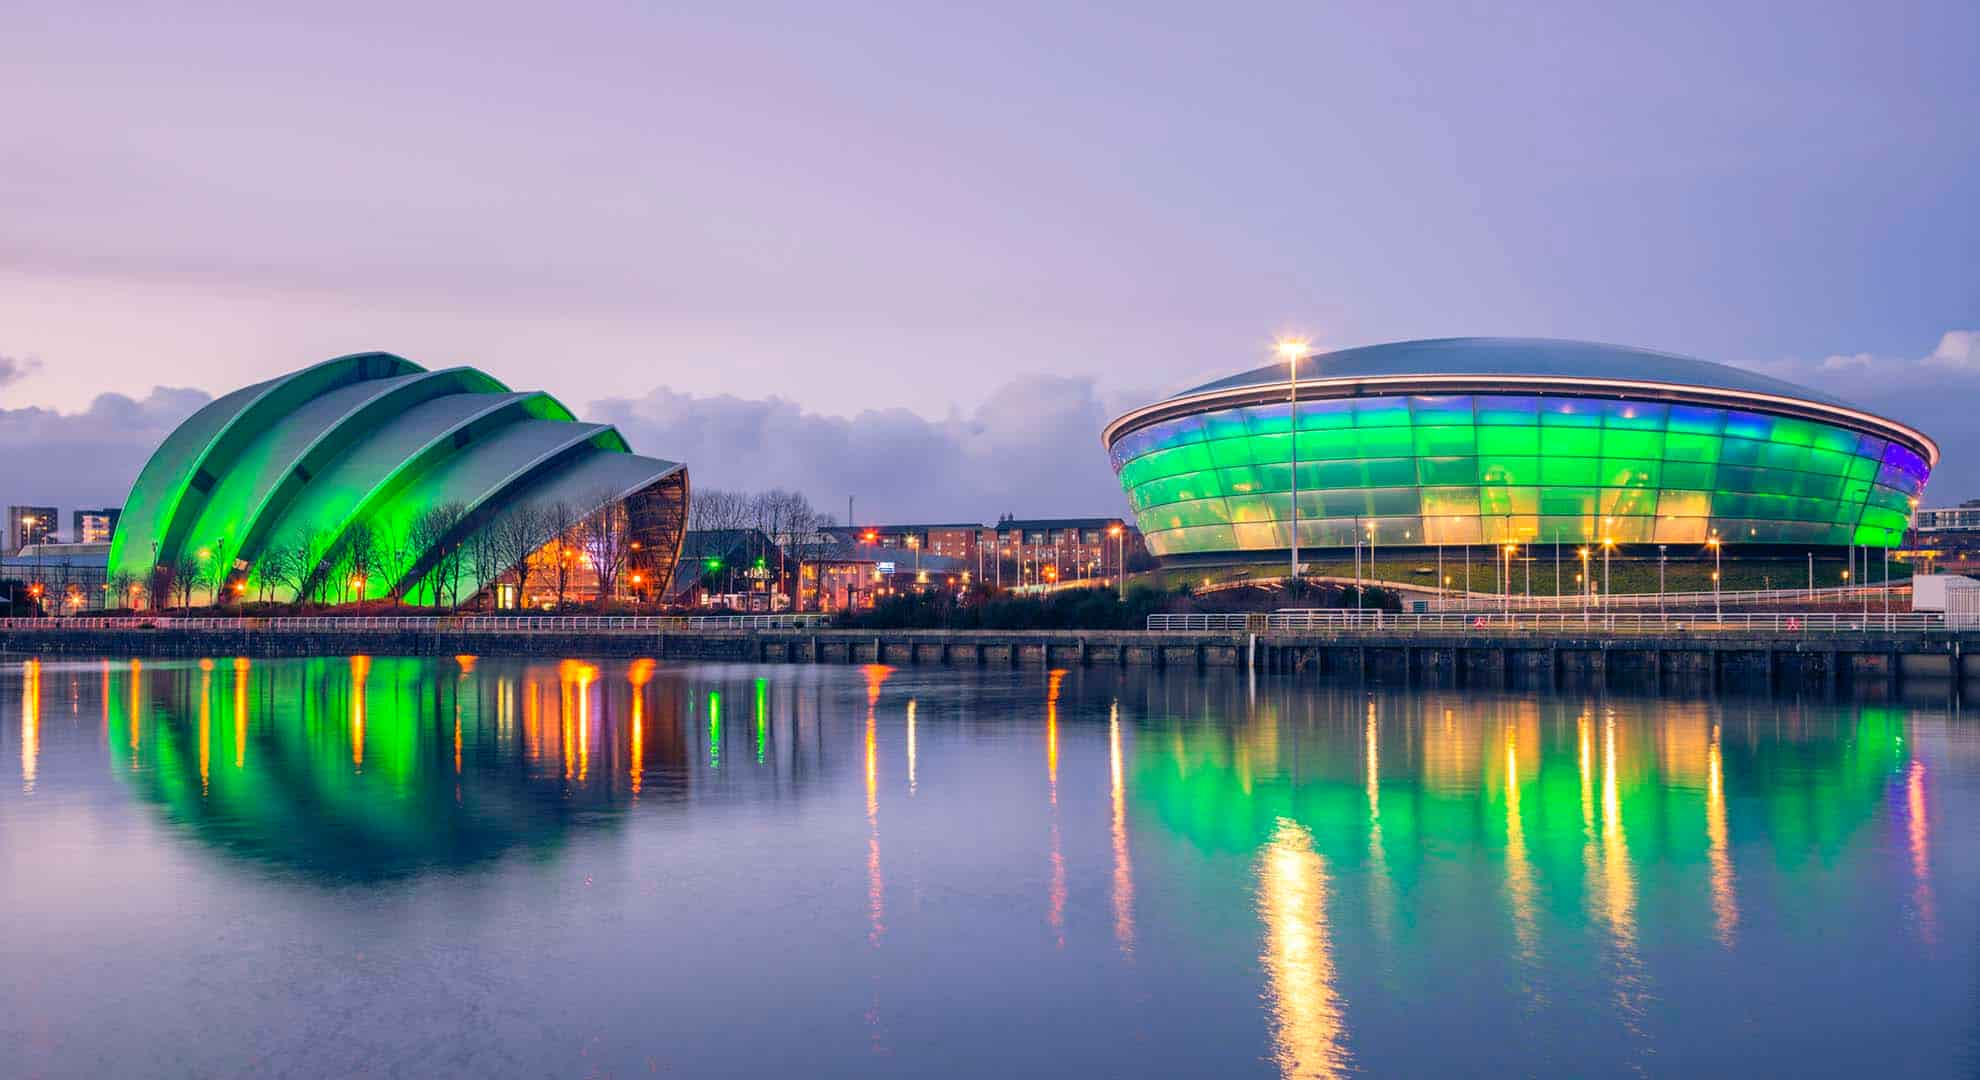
(1487, 658)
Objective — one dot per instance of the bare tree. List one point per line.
(429, 536)
(483, 562)
(187, 573)
(124, 587)
(606, 537)
(561, 521)
(713, 509)
(514, 537)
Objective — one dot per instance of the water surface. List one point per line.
(424, 867)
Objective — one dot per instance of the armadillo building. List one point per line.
(1496, 440)
(368, 445)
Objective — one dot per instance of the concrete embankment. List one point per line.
(1488, 658)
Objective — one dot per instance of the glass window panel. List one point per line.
(1381, 412)
(1835, 439)
(1509, 470)
(1499, 441)
(1347, 504)
(1778, 455)
(1507, 409)
(1333, 474)
(1569, 501)
(1690, 474)
(1498, 501)
(1201, 538)
(1386, 442)
(1451, 470)
(1569, 470)
(1639, 415)
(1271, 448)
(1461, 529)
(1323, 445)
(1827, 462)
(1630, 530)
(1680, 530)
(1325, 415)
(1274, 477)
(1629, 502)
(1445, 441)
(1392, 472)
(1394, 502)
(1741, 452)
(1236, 423)
(1227, 452)
(1870, 446)
(1696, 420)
(1454, 410)
(1253, 507)
(1243, 480)
(1684, 503)
(1565, 529)
(1196, 512)
(1571, 442)
(1631, 472)
(1687, 447)
(1259, 535)
(1793, 431)
(1864, 468)
(1175, 432)
(1746, 425)
(1570, 412)
(1642, 444)
(1448, 502)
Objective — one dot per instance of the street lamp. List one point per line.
(1291, 350)
(1714, 544)
(1587, 580)
(1608, 545)
(1120, 560)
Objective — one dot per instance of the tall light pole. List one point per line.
(1587, 580)
(1717, 566)
(1291, 350)
(1661, 558)
(1608, 545)
(1120, 559)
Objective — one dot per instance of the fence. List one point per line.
(1876, 597)
(504, 624)
(1553, 622)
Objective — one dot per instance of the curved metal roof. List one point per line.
(1485, 364)
(367, 440)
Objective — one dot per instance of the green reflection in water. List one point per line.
(361, 768)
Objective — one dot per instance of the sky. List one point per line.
(919, 254)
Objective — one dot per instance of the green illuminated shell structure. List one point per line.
(370, 442)
(1517, 441)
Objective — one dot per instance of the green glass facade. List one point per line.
(368, 442)
(1410, 469)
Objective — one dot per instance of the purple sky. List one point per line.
(993, 228)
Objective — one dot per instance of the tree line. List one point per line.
(444, 554)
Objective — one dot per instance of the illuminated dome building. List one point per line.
(1497, 440)
(271, 489)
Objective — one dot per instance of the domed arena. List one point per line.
(1514, 441)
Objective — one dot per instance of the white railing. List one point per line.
(1552, 622)
(509, 624)
(1873, 595)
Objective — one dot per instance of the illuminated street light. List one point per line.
(1291, 350)
(1120, 560)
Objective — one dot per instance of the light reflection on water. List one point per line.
(511, 866)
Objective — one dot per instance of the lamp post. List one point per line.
(1662, 557)
(1717, 566)
(1505, 602)
(1291, 350)
(1587, 580)
(1608, 545)
(1120, 560)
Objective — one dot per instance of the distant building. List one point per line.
(1962, 518)
(60, 579)
(1048, 550)
(29, 525)
(955, 540)
(94, 526)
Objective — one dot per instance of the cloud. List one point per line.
(14, 368)
(1032, 448)
(1958, 349)
(87, 458)
(1933, 392)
